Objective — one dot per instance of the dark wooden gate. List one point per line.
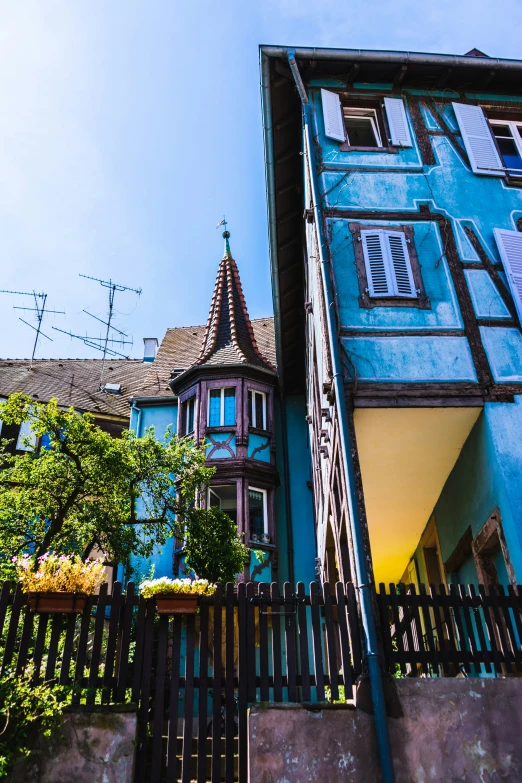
(192, 677)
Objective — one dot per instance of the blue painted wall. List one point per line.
(301, 505)
(160, 417)
(400, 182)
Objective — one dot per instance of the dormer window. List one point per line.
(257, 409)
(222, 407)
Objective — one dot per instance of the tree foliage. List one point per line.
(86, 490)
(212, 548)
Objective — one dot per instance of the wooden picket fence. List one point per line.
(466, 630)
(192, 677)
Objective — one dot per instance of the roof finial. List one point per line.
(226, 236)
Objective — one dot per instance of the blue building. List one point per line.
(388, 442)
(395, 210)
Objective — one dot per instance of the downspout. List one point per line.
(363, 581)
(271, 204)
(138, 412)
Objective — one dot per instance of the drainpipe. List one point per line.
(271, 207)
(363, 581)
(138, 412)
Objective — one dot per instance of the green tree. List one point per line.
(86, 490)
(212, 547)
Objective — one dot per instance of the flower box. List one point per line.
(176, 603)
(68, 603)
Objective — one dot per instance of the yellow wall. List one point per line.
(406, 455)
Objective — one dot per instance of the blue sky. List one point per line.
(128, 128)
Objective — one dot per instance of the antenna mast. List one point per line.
(40, 311)
(103, 342)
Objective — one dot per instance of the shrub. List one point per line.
(59, 573)
(166, 586)
(23, 708)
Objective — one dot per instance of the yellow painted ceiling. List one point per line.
(406, 455)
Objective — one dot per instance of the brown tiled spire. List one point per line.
(229, 337)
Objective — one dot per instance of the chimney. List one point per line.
(150, 349)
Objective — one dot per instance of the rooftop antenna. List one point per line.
(102, 343)
(39, 308)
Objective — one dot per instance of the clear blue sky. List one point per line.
(128, 127)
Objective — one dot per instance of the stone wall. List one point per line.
(452, 729)
(86, 747)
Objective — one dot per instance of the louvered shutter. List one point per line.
(333, 115)
(400, 263)
(377, 267)
(397, 122)
(478, 140)
(510, 248)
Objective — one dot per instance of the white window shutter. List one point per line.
(478, 140)
(375, 259)
(400, 264)
(510, 248)
(397, 122)
(333, 115)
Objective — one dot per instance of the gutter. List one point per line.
(364, 585)
(399, 58)
(266, 102)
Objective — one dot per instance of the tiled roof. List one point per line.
(74, 382)
(181, 347)
(229, 336)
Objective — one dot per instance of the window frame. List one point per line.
(353, 112)
(264, 493)
(252, 417)
(421, 301)
(516, 137)
(222, 406)
(190, 401)
(376, 106)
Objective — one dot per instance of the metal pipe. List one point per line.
(398, 58)
(138, 412)
(266, 103)
(363, 581)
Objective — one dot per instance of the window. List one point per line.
(222, 407)
(26, 437)
(387, 266)
(361, 125)
(362, 129)
(257, 409)
(190, 410)
(509, 141)
(257, 511)
(225, 498)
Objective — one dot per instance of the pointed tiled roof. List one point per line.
(229, 336)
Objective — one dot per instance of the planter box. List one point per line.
(57, 602)
(176, 604)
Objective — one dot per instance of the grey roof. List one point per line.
(74, 382)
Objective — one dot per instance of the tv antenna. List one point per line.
(40, 301)
(102, 343)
